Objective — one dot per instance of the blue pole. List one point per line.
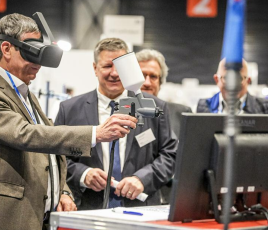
(232, 51)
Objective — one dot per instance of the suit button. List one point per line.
(47, 168)
(45, 197)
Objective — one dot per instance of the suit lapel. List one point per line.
(40, 112)
(251, 106)
(91, 109)
(92, 116)
(61, 160)
(9, 92)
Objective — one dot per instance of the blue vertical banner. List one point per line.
(233, 39)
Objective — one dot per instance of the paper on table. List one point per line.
(148, 215)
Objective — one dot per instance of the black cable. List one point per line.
(261, 209)
(108, 186)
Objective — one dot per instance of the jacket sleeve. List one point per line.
(75, 168)
(202, 106)
(15, 131)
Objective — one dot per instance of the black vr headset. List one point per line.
(43, 52)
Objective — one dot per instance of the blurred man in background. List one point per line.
(140, 164)
(155, 71)
(246, 103)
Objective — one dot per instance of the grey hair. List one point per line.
(110, 44)
(149, 54)
(15, 25)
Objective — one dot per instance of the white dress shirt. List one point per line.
(104, 113)
(23, 89)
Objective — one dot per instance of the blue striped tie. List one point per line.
(114, 200)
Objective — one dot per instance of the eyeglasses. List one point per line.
(152, 77)
(223, 78)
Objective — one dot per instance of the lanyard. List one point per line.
(18, 93)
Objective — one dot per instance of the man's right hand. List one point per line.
(115, 127)
(96, 179)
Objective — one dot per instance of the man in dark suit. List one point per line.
(246, 103)
(147, 154)
(32, 161)
(155, 71)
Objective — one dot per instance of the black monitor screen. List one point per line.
(201, 148)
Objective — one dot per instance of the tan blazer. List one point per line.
(24, 149)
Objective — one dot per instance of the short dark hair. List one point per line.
(15, 25)
(110, 44)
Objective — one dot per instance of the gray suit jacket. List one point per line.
(23, 164)
(152, 163)
(175, 111)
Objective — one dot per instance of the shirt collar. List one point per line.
(105, 101)
(242, 101)
(21, 86)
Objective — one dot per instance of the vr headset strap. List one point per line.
(20, 44)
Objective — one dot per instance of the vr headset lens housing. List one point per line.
(48, 55)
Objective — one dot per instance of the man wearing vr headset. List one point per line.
(32, 177)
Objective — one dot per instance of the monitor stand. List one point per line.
(247, 215)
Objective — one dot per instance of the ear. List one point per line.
(95, 68)
(249, 80)
(216, 79)
(6, 49)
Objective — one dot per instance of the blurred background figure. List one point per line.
(246, 103)
(70, 91)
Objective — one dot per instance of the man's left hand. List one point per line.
(66, 204)
(129, 187)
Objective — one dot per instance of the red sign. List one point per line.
(3, 6)
(202, 8)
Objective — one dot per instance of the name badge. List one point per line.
(145, 137)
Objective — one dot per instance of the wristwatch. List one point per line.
(68, 194)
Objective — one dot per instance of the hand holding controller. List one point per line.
(142, 196)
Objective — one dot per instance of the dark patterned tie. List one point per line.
(114, 200)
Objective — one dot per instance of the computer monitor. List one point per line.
(201, 150)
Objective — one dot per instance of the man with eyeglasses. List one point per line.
(155, 71)
(246, 103)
